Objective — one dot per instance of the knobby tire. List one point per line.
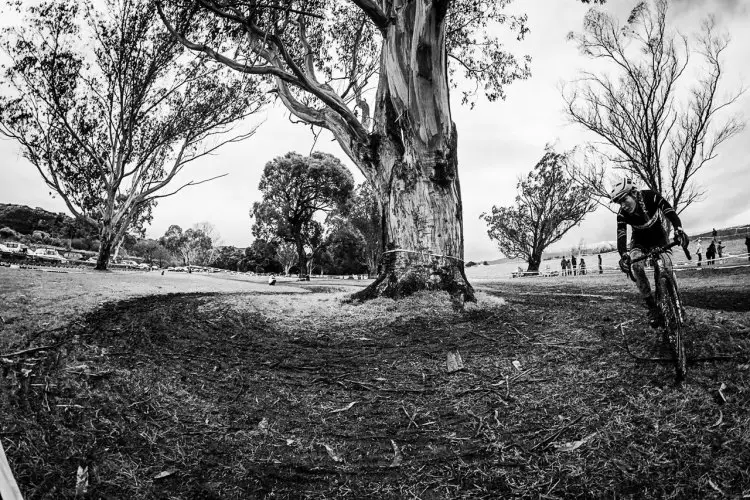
(669, 302)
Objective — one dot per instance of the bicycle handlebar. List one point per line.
(663, 249)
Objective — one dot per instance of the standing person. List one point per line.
(643, 212)
(582, 266)
(562, 266)
(699, 251)
(574, 264)
(713, 233)
(711, 253)
(747, 245)
(601, 269)
(720, 249)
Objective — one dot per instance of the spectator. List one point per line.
(699, 251)
(563, 266)
(574, 264)
(583, 266)
(272, 280)
(601, 269)
(720, 249)
(747, 245)
(711, 253)
(713, 235)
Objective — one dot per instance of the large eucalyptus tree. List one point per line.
(376, 74)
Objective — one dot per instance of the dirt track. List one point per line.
(230, 395)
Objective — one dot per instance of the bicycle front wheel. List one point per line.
(670, 305)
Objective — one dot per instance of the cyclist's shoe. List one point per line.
(655, 319)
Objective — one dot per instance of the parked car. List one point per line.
(129, 263)
(49, 254)
(13, 247)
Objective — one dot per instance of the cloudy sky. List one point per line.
(498, 142)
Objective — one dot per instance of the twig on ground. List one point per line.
(544, 443)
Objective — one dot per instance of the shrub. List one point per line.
(39, 236)
(7, 233)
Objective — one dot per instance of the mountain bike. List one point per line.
(669, 303)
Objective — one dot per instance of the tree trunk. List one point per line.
(414, 165)
(301, 257)
(534, 262)
(105, 249)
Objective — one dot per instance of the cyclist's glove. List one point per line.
(681, 237)
(625, 263)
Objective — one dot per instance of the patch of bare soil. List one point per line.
(247, 396)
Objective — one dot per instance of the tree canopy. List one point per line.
(548, 205)
(295, 188)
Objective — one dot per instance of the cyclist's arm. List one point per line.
(622, 235)
(668, 211)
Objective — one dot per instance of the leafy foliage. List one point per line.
(547, 206)
(296, 188)
(361, 218)
(188, 244)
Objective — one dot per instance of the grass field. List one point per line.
(182, 386)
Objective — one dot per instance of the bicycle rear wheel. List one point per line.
(670, 305)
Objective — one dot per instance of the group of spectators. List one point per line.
(715, 250)
(574, 267)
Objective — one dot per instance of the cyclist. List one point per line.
(643, 210)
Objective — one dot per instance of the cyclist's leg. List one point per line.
(644, 287)
(639, 272)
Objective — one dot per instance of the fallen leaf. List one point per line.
(164, 473)
(574, 445)
(517, 365)
(721, 392)
(332, 453)
(82, 480)
(347, 407)
(398, 457)
(719, 421)
(263, 425)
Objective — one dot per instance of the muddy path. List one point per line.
(243, 396)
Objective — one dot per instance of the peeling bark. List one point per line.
(413, 154)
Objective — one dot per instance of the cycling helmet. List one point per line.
(620, 189)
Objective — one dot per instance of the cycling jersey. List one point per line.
(646, 221)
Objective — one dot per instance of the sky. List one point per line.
(498, 142)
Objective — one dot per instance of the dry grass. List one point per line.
(305, 396)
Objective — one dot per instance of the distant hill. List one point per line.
(727, 233)
(25, 220)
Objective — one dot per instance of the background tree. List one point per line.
(213, 234)
(286, 254)
(655, 124)
(152, 252)
(228, 257)
(345, 252)
(548, 204)
(260, 257)
(364, 218)
(109, 108)
(188, 245)
(295, 189)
